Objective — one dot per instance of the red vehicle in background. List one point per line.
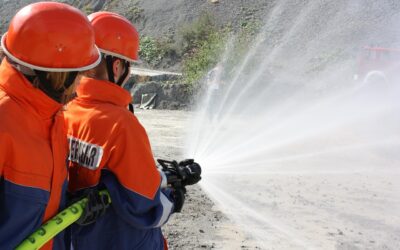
(382, 64)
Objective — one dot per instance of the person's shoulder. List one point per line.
(117, 119)
(80, 109)
(14, 118)
(124, 118)
(9, 108)
(125, 115)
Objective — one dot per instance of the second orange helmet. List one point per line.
(115, 35)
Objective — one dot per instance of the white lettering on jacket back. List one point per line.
(85, 154)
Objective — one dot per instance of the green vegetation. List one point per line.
(208, 45)
(202, 44)
(156, 51)
(194, 35)
(135, 13)
(109, 5)
(198, 46)
(150, 52)
(203, 57)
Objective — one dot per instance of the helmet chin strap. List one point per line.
(110, 60)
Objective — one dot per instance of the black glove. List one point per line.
(95, 207)
(186, 172)
(190, 171)
(178, 195)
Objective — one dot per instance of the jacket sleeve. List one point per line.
(136, 210)
(133, 180)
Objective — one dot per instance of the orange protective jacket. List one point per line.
(109, 148)
(33, 152)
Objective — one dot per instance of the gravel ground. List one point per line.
(343, 211)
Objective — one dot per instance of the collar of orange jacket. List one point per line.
(104, 91)
(22, 91)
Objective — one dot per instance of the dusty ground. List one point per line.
(343, 211)
(200, 225)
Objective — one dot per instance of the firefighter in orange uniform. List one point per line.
(39, 71)
(110, 149)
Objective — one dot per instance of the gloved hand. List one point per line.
(191, 172)
(95, 207)
(178, 194)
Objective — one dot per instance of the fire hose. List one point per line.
(178, 175)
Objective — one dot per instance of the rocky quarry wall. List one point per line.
(168, 95)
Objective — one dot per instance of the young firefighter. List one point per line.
(110, 149)
(39, 71)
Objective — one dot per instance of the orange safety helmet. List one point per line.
(50, 36)
(115, 35)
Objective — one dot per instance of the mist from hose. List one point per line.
(294, 150)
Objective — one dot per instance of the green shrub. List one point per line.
(205, 46)
(199, 45)
(204, 57)
(135, 13)
(150, 51)
(155, 51)
(194, 34)
(202, 43)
